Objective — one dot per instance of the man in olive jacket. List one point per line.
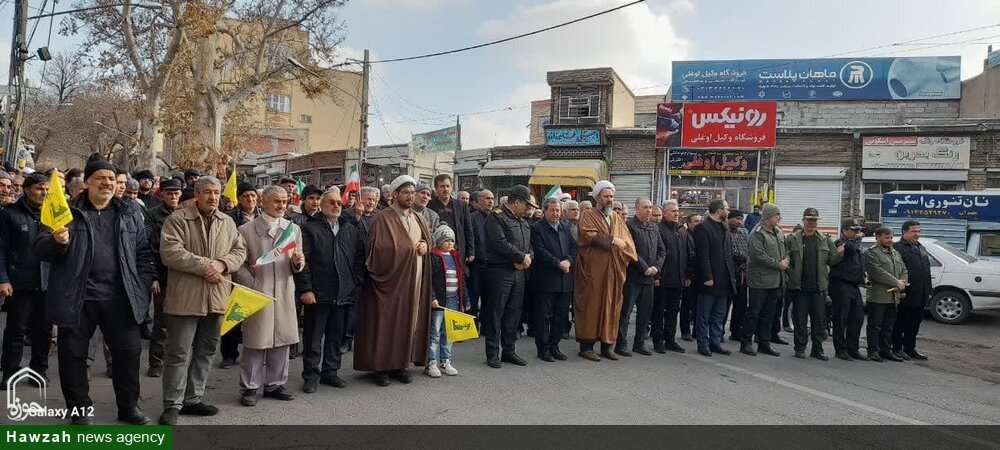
(887, 275)
(811, 253)
(766, 267)
(201, 248)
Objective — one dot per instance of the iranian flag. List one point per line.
(286, 243)
(557, 193)
(353, 183)
(299, 186)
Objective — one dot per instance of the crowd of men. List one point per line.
(368, 276)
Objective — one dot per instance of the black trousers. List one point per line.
(739, 309)
(881, 319)
(848, 316)
(689, 310)
(26, 316)
(121, 333)
(810, 314)
(501, 313)
(229, 343)
(781, 311)
(476, 284)
(352, 318)
(322, 334)
(550, 312)
(759, 315)
(904, 334)
(158, 335)
(666, 306)
(640, 297)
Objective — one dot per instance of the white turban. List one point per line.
(600, 186)
(401, 181)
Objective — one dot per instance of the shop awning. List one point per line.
(569, 172)
(509, 167)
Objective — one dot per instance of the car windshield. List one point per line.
(958, 253)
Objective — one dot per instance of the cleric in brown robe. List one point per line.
(394, 308)
(604, 251)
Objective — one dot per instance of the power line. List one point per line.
(508, 39)
(378, 113)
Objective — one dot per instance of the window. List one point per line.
(305, 118)
(331, 176)
(279, 103)
(577, 106)
(873, 194)
(993, 180)
(989, 245)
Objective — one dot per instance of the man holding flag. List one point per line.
(201, 248)
(274, 254)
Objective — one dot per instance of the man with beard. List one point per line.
(715, 277)
(22, 282)
(155, 218)
(888, 278)
(423, 197)
(674, 277)
(202, 249)
(105, 271)
(394, 308)
(5, 190)
(604, 251)
(327, 287)
(640, 278)
(147, 192)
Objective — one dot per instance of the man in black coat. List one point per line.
(674, 276)
(552, 279)
(715, 274)
(918, 293)
(456, 214)
(482, 203)
(327, 287)
(23, 282)
(105, 267)
(640, 277)
(155, 217)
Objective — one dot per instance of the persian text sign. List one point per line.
(443, 140)
(572, 137)
(729, 125)
(916, 152)
(713, 163)
(942, 206)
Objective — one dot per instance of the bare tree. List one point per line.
(66, 75)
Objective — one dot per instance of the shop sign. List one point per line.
(713, 163)
(729, 125)
(984, 208)
(916, 152)
(576, 137)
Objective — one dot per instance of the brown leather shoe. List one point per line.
(609, 355)
(590, 355)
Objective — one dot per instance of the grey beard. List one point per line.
(607, 211)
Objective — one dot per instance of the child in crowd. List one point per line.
(448, 289)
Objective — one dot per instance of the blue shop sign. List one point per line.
(981, 207)
(575, 137)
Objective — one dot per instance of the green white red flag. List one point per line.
(285, 243)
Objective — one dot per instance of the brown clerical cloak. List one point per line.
(393, 318)
(600, 276)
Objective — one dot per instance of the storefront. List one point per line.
(574, 176)
(799, 187)
(911, 163)
(698, 176)
(500, 175)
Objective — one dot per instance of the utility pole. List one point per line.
(363, 146)
(15, 85)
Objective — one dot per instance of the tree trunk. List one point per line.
(148, 128)
(206, 139)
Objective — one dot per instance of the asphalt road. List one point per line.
(958, 386)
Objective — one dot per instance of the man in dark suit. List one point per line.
(674, 277)
(552, 279)
(482, 203)
(456, 214)
(918, 293)
(640, 277)
(715, 273)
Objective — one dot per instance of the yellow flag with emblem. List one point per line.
(459, 326)
(230, 191)
(243, 302)
(55, 210)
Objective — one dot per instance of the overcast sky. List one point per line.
(638, 42)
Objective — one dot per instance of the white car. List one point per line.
(962, 283)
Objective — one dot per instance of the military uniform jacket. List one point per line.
(508, 239)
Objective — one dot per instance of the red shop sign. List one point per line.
(730, 125)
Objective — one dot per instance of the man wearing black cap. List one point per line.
(22, 281)
(147, 191)
(190, 176)
(310, 203)
(170, 190)
(739, 299)
(508, 255)
(105, 270)
(811, 253)
(846, 279)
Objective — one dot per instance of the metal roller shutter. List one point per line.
(630, 187)
(797, 190)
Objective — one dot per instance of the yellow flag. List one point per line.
(243, 302)
(55, 211)
(230, 191)
(459, 326)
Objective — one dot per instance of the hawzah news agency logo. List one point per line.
(18, 410)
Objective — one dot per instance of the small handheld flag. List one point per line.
(459, 326)
(556, 193)
(243, 302)
(285, 243)
(55, 210)
(299, 187)
(230, 191)
(353, 183)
